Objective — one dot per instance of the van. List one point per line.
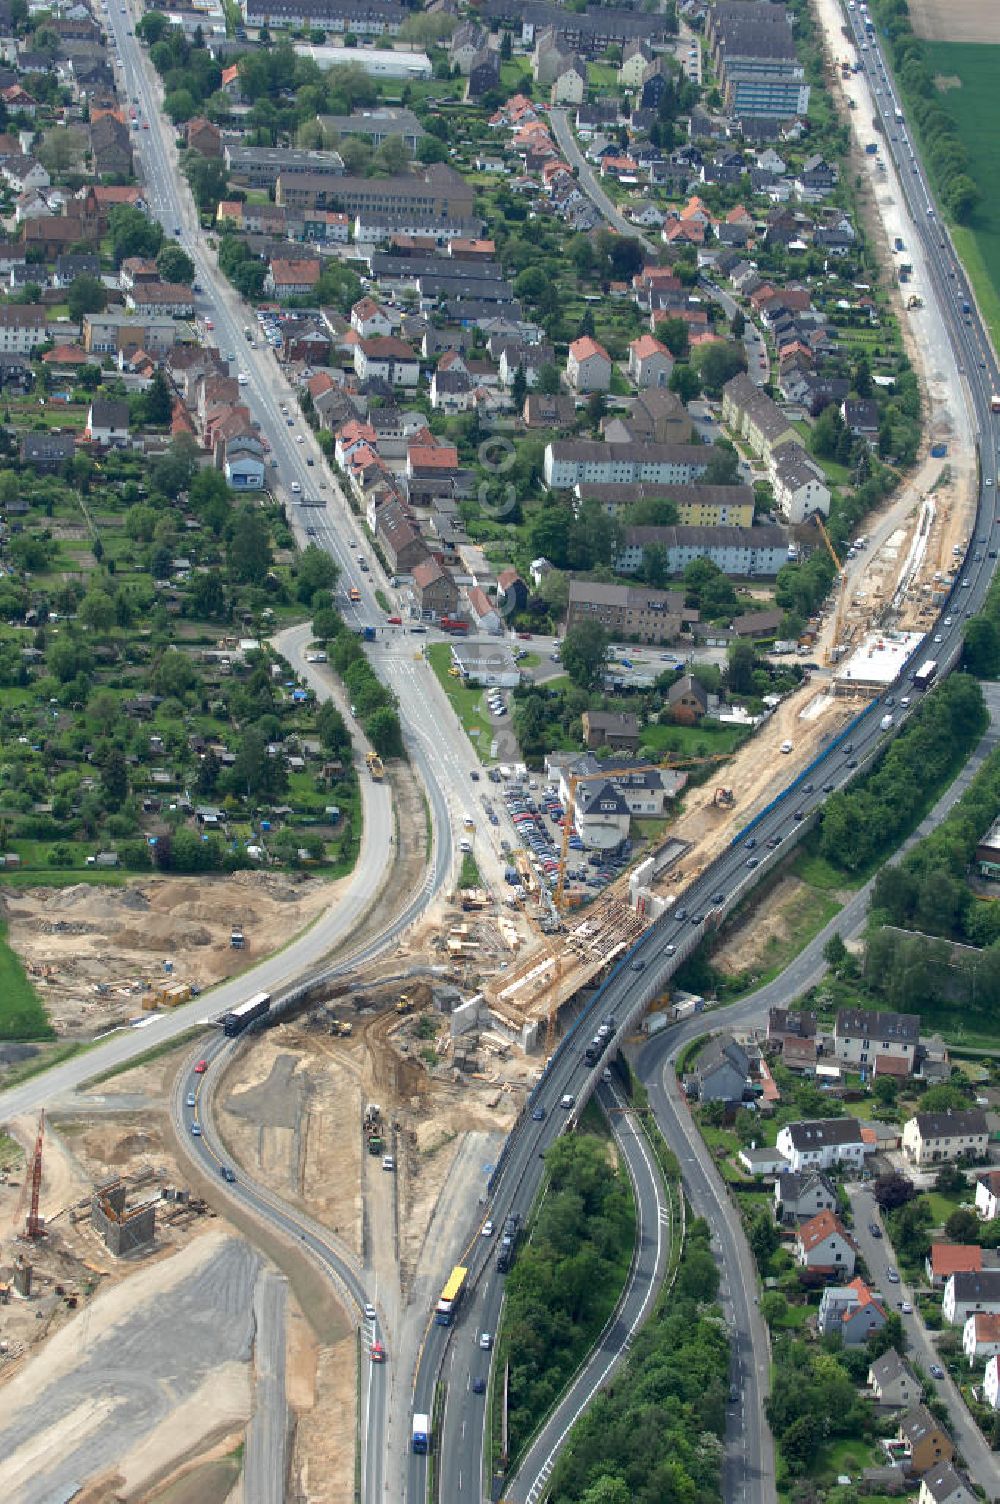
(465, 846)
(786, 746)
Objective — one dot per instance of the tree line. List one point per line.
(871, 817)
(655, 1434)
(567, 1277)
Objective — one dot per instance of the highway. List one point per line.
(646, 971)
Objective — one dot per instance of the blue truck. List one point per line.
(421, 1433)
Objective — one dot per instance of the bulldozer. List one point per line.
(405, 1004)
(723, 798)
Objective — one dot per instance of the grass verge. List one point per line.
(22, 1016)
(467, 703)
(155, 1052)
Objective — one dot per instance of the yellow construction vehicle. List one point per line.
(838, 620)
(723, 798)
(375, 766)
(405, 1004)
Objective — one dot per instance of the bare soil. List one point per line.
(955, 20)
(76, 940)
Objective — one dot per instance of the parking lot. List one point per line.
(538, 817)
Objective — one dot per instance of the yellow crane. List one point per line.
(603, 775)
(838, 619)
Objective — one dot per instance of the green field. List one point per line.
(975, 108)
(21, 1013)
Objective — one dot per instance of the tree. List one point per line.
(893, 1190)
(384, 732)
(60, 152)
(597, 408)
(158, 401)
(962, 1226)
(316, 571)
(248, 549)
(208, 183)
(133, 233)
(175, 265)
(718, 363)
(254, 772)
(773, 1307)
(835, 952)
(114, 778)
(86, 295)
(674, 333)
(741, 662)
(549, 380)
(981, 654)
(684, 381)
(519, 389)
(584, 652)
(738, 324)
(97, 612)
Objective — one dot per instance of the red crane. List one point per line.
(33, 1228)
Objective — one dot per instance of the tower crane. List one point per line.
(838, 618)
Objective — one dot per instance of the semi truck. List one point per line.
(421, 1433)
(925, 674)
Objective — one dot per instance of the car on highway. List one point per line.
(486, 1340)
(892, 1276)
(378, 1353)
(638, 966)
(201, 1067)
(753, 861)
(486, 1231)
(937, 1372)
(567, 1100)
(388, 1163)
(906, 1308)
(192, 1100)
(874, 1229)
(227, 1174)
(479, 1386)
(538, 1115)
(196, 1129)
(299, 438)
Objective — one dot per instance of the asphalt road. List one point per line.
(589, 182)
(748, 1465)
(646, 1276)
(878, 1253)
(265, 1459)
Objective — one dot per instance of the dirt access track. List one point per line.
(956, 20)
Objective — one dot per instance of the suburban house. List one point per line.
(926, 1442)
(944, 1484)
(611, 728)
(991, 1383)
(721, 1070)
(823, 1143)
(434, 589)
(946, 1259)
(799, 487)
(107, 424)
(822, 1244)
(291, 279)
(981, 1337)
(851, 1311)
(790, 1023)
(634, 611)
(602, 815)
(861, 1036)
(688, 701)
(988, 1195)
(967, 1295)
(936, 1137)
(588, 366)
(761, 1161)
(649, 361)
(22, 328)
(799, 1195)
(48, 452)
(893, 1382)
(387, 360)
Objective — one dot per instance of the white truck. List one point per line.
(886, 722)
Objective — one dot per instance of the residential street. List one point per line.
(878, 1253)
(566, 142)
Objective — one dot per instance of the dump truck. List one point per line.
(236, 939)
(372, 1127)
(375, 767)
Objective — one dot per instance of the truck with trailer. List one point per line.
(421, 1433)
(244, 1014)
(925, 674)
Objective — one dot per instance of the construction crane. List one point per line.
(31, 1189)
(577, 778)
(830, 654)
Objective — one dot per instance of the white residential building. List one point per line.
(937, 1137)
(821, 1144)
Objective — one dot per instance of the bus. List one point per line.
(925, 674)
(451, 1295)
(237, 1019)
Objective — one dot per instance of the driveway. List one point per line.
(878, 1253)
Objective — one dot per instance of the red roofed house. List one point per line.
(231, 81)
(684, 232)
(822, 1244)
(369, 319)
(203, 137)
(649, 361)
(69, 357)
(387, 360)
(321, 382)
(588, 366)
(19, 101)
(485, 615)
(946, 1259)
(349, 440)
(291, 279)
(230, 211)
(430, 460)
(981, 1337)
(851, 1311)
